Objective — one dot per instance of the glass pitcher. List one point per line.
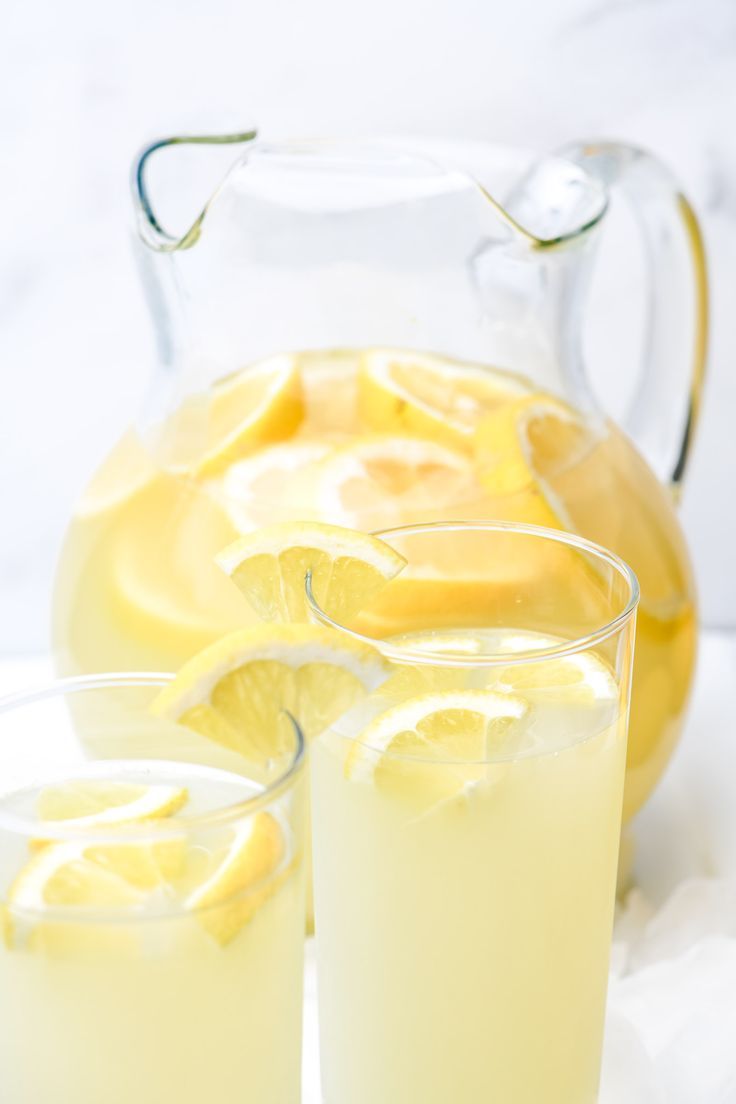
(383, 333)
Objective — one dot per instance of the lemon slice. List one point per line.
(75, 880)
(77, 875)
(92, 803)
(259, 405)
(437, 745)
(240, 691)
(521, 446)
(411, 680)
(347, 568)
(385, 480)
(580, 679)
(406, 392)
(242, 879)
(277, 478)
(330, 390)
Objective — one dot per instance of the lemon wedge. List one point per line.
(437, 745)
(384, 480)
(347, 569)
(256, 406)
(240, 691)
(427, 395)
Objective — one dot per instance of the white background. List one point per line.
(84, 83)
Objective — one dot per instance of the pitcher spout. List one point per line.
(150, 227)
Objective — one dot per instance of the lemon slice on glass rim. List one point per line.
(347, 569)
(240, 691)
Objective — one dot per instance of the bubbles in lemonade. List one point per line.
(152, 966)
(367, 439)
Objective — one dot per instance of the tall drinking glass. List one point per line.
(152, 906)
(467, 820)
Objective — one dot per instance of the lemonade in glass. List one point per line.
(152, 908)
(466, 824)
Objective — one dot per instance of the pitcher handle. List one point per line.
(673, 242)
(152, 231)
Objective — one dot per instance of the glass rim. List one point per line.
(399, 654)
(165, 828)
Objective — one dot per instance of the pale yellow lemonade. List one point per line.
(466, 833)
(148, 972)
(367, 440)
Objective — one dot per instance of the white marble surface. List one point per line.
(84, 83)
(672, 999)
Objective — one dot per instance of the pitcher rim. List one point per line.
(156, 237)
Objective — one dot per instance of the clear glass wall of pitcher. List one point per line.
(380, 334)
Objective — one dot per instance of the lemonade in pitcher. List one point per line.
(367, 439)
(372, 334)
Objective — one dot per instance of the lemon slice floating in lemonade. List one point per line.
(436, 745)
(382, 480)
(582, 678)
(95, 803)
(252, 858)
(347, 569)
(452, 726)
(520, 448)
(75, 874)
(275, 480)
(254, 407)
(407, 392)
(75, 879)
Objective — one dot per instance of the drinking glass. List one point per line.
(152, 906)
(467, 820)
